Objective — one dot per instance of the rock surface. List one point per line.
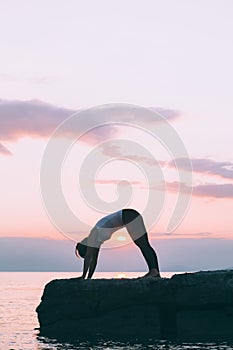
(190, 306)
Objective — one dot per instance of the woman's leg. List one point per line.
(148, 253)
(135, 226)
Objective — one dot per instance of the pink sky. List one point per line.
(171, 56)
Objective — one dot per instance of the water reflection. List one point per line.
(49, 344)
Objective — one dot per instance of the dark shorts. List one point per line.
(133, 221)
(129, 215)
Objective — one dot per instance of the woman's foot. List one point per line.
(152, 273)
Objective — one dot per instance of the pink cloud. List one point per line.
(202, 166)
(4, 150)
(115, 182)
(214, 190)
(29, 118)
(112, 149)
(206, 166)
(180, 235)
(36, 118)
(169, 114)
(206, 190)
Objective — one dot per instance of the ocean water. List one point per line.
(20, 294)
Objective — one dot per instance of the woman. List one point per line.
(89, 247)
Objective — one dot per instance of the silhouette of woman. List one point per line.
(89, 247)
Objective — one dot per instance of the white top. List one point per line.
(104, 228)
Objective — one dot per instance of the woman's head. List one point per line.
(81, 248)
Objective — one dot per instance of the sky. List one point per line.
(174, 57)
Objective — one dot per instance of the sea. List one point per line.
(20, 294)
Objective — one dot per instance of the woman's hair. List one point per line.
(81, 248)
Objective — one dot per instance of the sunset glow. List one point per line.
(83, 57)
(121, 275)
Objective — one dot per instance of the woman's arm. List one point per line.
(86, 264)
(93, 262)
(90, 261)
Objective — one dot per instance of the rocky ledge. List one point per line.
(189, 306)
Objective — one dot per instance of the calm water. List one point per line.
(20, 294)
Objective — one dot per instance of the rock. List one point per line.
(188, 306)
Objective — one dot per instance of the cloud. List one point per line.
(32, 118)
(4, 150)
(202, 165)
(206, 190)
(116, 182)
(113, 149)
(38, 119)
(180, 235)
(206, 166)
(210, 167)
(169, 114)
(214, 190)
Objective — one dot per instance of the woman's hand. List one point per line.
(90, 261)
